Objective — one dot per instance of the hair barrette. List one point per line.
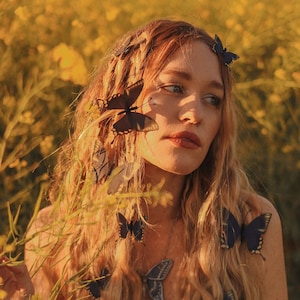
(218, 48)
(130, 44)
(124, 49)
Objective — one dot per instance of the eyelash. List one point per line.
(167, 87)
(215, 100)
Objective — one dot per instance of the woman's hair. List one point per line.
(88, 232)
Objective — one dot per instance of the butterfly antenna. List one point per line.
(147, 102)
(113, 140)
(262, 256)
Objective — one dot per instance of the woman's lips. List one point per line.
(185, 139)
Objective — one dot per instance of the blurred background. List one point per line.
(49, 49)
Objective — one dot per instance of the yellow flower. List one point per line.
(3, 240)
(276, 99)
(10, 248)
(296, 76)
(47, 144)
(112, 13)
(27, 118)
(280, 73)
(22, 12)
(3, 294)
(71, 64)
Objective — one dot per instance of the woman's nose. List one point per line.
(191, 110)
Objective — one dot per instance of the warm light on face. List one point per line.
(185, 102)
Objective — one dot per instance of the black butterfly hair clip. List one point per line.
(229, 57)
(135, 228)
(251, 233)
(131, 120)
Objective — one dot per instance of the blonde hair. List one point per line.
(90, 241)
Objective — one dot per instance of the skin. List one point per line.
(185, 101)
(15, 280)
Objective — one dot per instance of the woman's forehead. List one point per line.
(194, 59)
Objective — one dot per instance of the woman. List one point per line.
(149, 199)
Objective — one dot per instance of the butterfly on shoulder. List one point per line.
(130, 120)
(229, 57)
(251, 233)
(135, 228)
(154, 277)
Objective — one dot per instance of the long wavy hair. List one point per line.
(87, 228)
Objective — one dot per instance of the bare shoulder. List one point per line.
(274, 274)
(37, 250)
(44, 216)
(40, 226)
(261, 204)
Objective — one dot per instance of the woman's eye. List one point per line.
(213, 100)
(174, 88)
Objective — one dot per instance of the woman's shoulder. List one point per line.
(40, 241)
(262, 205)
(44, 216)
(40, 231)
(266, 211)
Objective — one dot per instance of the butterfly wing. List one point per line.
(94, 289)
(120, 177)
(125, 100)
(100, 163)
(134, 90)
(218, 46)
(231, 229)
(134, 121)
(138, 230)
(229, 57)
(123, 226)
(155, 276)
(155, 289)
(96, 286)
(229, 295)
(253, 232)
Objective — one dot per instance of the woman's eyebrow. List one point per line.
(187, 76)
(216, 85)
(178, 73)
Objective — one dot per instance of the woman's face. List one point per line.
(185, 101)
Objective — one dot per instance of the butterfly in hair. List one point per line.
(95, 287)
(130, 120)
(154, 277)
(229, 295)
(229, 57)
(251, 233)
(135, 228)
(100, 163)
(120, 177)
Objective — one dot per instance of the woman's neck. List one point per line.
(173, 185)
